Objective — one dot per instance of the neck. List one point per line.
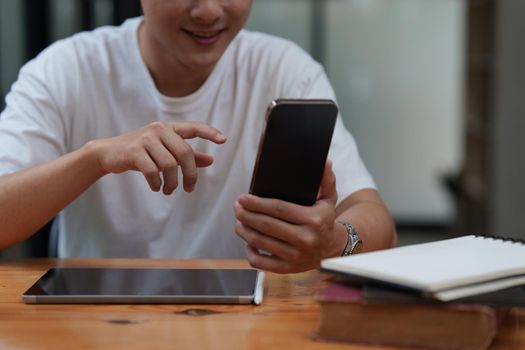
(171, 77)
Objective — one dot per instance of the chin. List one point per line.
(203, 61)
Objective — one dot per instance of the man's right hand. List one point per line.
(31, 197)
(158, 148)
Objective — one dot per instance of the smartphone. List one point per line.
(293, 149)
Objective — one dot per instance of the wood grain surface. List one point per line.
(286, 320)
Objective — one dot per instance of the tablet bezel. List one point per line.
(256, 297)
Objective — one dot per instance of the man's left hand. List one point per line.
(297, 237)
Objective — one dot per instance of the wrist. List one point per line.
(91, 152)
(340, 240)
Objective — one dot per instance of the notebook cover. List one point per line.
(483, 264)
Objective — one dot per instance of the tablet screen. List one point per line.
(206, 284)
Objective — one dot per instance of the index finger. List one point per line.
(190, 130)
(290, 212)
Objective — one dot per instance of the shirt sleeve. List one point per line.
(33, 126)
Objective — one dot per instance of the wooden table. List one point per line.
(285, 320)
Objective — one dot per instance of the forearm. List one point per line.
(368, 214)
(31, 197)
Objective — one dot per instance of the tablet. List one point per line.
(147, 286)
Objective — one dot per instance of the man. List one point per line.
(150, 97)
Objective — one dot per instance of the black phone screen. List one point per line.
(293, 150)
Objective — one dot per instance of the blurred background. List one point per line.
(432, 90)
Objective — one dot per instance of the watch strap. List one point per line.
(354, 243)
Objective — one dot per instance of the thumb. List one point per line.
(327, 190)
(203, 159)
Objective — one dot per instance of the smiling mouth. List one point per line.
(204, 37)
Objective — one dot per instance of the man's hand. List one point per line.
(297, 237)
(158, 148)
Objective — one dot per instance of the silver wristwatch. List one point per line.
(354, 244)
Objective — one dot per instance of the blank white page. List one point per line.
(437, 265)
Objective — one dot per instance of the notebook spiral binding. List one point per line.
(501, 238)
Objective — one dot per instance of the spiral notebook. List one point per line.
(445, 270)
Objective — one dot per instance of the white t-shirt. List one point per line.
(96, 85)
